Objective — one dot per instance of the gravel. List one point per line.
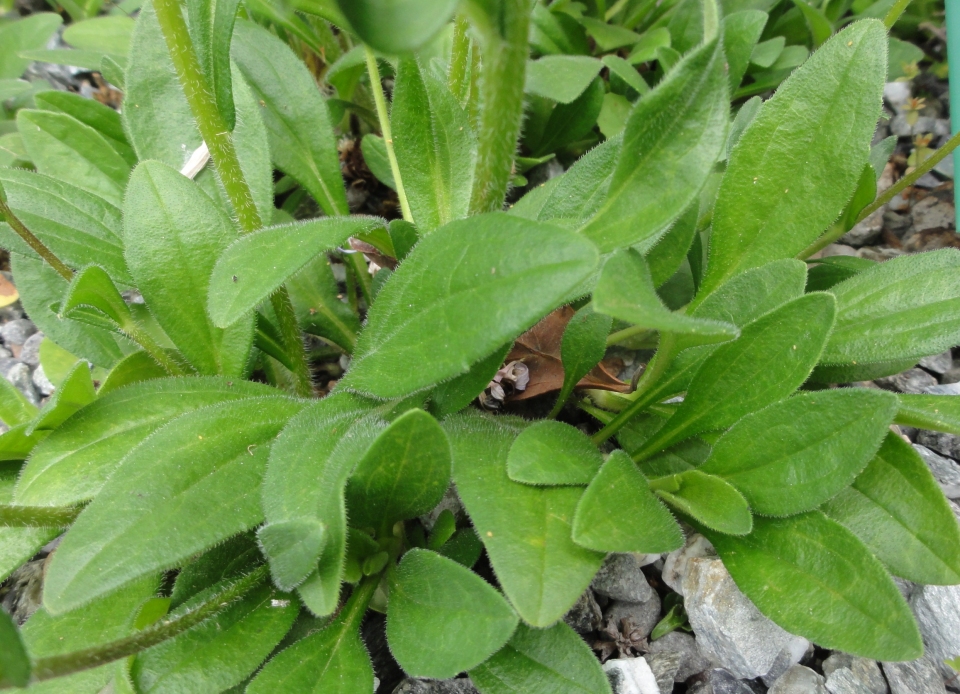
(915, 677)
(631, 676)
(621, 578)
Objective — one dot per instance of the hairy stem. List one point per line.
(381, 101)
(36, 244)
(459, 75)
(894, 14)
(38, 516)
(156, 352)
(504, 60)
(292, 340)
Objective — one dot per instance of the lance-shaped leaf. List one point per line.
(19, 545)
(397, 26)
(897, 509)
(904, 309)
(320, 311)
(174, 233)
(302, 141)
(403, 475)
(796, 454)
(14, 407)
(309, 467)
(706, 498)
(14, 661)
(442, 618)
(675, 133)
(554, 660)
(16, 444)
(211, 28)
(670, 250)
(583, 345)
(63, 147)
(136, 367)
(24, 34)
(293, 547)
(93, 298)
(435, 146)
(241, 278)
(103, 119)
(220, 652)
(772, 357)
(177, 510)
(937, 412)
(619, 513)
(75, 392)
(525, 529)
(75, 461)
(500, 275)
(808, 143)
(553, 453)
(741, 31)
(840, 596)
(625, 290)
(561, 78)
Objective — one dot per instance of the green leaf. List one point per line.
(609, 37)
(820, 27)
(178, 509)
(435, 145)
(646, 48)
(134, 368)
(397, 26)
(561, 78)
(17, 444)
(73, 463)
(453, 395)
(896, 508)
(10, 88)
(93, 298)
(666, 257)
(22, 35)
(766, 52)
(741, 31)
(302, 140)
(232, 559)
(686, 25)
(791, 175)
(525, 529)
(293, 547)
(108, 34)
(619, 513)
(323, 443)
(63, 147)
(814, 578)
(674, 133)
(553, 453)
(20, 545)
(14, 407)
(538, 661)
(796, 454)
(826, 273)
(320, 311)
(211, 30)
(240, 280)
(75, 392)
(582, 347)
(501, 274)
(625, 291)
(937, 412)
(708, 499)
(14, 661)
(374, 151)
(88, 60)
(403, 475)
(625, 71)
(442, 618)
(90, 112)
(899, 310)
(220, 652)
(772, 357)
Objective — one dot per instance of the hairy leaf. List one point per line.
(211, 30)
(937, 412)
(741, 31)
(14, 661)
(397, 26)
(553, 453)
(561, 78)
(22, 35)
(708, 499)
(90, 112)
(583, 345)
(75, 392)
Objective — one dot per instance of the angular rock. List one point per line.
(909, 381)
(42, 383)
(415, 685)
(937, 609)
(17, 331)
(676, 564)
(785, 660)
(665, 667)
(919, 676)
(848, 674)
(585, 616)
(931, 213)
(731, 629)
(719, 681)
(30, 352)
(944, 388)
(945, 470)
(945, 444)
(621, 577)
(938, 363)
(692, 661)
(799, 680)
(5, 353)
(632, 619)
(631, 676)
(19, 375)
(950, 377)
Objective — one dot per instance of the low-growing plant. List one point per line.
(227, 527)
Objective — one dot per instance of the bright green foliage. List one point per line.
(583, 345)
(101, 118)
(897, 509)
(561, 78)
(707, 499)
(211, 30)
(135, 367)
(552, 660)
(860, 610)
(796, 454)
(14, 407)
(397, 26)
(14, 662)
(29, 33)
(525, 529)
(937, 412)
(93, 298)
(75, 392)
(619, 513)
(553, 453)
(443, 618)
(314, 294)
(741, 31)
(293, 547)
(505, 274)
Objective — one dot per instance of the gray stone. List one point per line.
(896, 94)
(919, 676)
(870, 228)
(928, 181)
(731, 629)
(17, 331)
(665, 667)
(950, 377)
(621, 577)
(42, 383)
(633, 619)
(676, 564)
(945, 470)
(413, 685)
(5, 353)
(585, 615)
(848, 674)
(910, 381)
(19, 375)
(786, 659)
(451, 502)
(692, 661)
(931, 213)
(631, 676)
(938, 363)
(30, 353)
(944, 389)
(719, 681)
(799, 680)
(937, 609)
(945, 444)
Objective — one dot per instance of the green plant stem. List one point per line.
(219, 140)
(458, 77)
(888, 195)
(69, 663)
(504, 60)
(381, 101)
(36, 244)
(38, 516)
(894, 14)
(156, 352)
(626, 334)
